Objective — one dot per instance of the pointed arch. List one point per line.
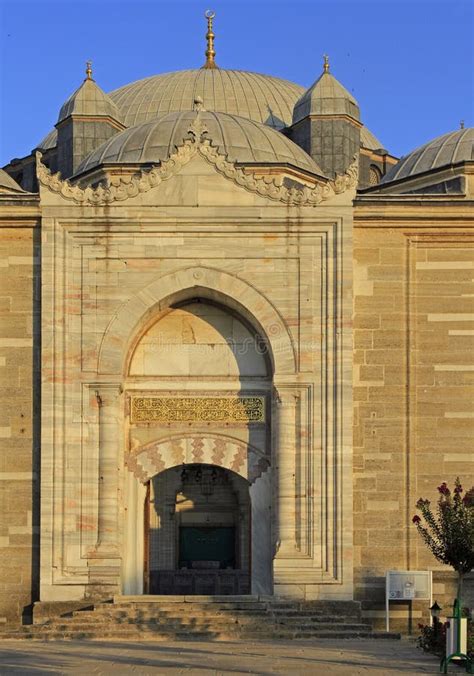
(204, 282)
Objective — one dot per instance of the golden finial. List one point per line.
(326, 63)
(210, 52)
(89, 70)
(461, 124)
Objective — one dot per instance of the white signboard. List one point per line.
(407, 585)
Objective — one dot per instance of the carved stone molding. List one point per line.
(121, 188)
(208, 449)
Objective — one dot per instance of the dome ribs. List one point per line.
(240, 139)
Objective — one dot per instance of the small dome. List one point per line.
(457, 146)
(7, 184)
(89, 99)
(368, 140)
(49, 141)
(241, 140)
(326, 96)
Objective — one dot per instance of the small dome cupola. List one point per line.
(87, 119)
(326, 124)
(443, 151)
(90, 100)
(326, 96)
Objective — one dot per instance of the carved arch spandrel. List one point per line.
(198, 448)
(232, 291)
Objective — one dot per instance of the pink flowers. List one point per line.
(422, 502)
(443, 489)
(416, 519)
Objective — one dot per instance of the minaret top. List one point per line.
(210, 51)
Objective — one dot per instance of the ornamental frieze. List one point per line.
(121, 188)
(198, 409)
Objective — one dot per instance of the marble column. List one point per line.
(108, 399)
(285, 442)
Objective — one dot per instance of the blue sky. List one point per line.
(409, 63)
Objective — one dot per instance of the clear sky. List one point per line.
(409, 63)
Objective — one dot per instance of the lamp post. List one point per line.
(435, 611)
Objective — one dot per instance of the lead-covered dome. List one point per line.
(89, 99)
(446, 150)
(262, 98)
(326, 96)
(240, 139)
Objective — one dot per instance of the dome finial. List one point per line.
(461, 124)
(198, 104)
(89, 70)
(326, 63)
(210, 52)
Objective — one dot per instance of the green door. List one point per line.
(203, 543)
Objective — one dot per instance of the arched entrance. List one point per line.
(198, 394)
(198, 532)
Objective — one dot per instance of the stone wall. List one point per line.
(286, 271)
(19, 434)
(332, 142)
(413, 389)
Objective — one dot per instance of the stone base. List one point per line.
(48, 610)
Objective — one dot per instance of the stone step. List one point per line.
(137, 634)
(205, 619)
(314, 616)
(160, 612)
(328, 607)
(155, 598)
(193, 625)
(185, 607)
(162, 618)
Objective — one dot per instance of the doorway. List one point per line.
(198, 532)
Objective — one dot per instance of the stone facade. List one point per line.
(413, 382)
(108, 273)
(219, 310)
(20, 395)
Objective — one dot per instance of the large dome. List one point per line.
(262, 98)
(457, 146)
(257, 97)
(239, 139)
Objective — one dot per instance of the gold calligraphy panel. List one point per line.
(198, 409)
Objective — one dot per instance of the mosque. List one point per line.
(237, 345)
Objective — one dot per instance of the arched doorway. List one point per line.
(198, 393)
(198, 532)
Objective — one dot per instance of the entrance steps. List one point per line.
(211, 618)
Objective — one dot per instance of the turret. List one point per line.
(87, 119)
(326, 124)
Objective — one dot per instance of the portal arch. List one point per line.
(199, 281)
(206, 448)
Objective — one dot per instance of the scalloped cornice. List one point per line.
(122, 188)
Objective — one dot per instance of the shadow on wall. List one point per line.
(27, 612)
